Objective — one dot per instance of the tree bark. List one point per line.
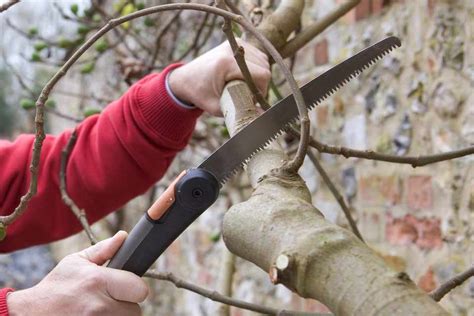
(279, 230)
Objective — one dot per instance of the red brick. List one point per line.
(427, 281)
(377, 5)
(429, 233)
(424, 232)
(419, 192)
(400, 231)
(363, 10)
(381, 190)
(321, 54)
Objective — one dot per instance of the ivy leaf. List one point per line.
(35, 56)
(65, 43)
(83, 30)
(88, 68)
(74, 8)
(33, 31)
(39, 46)
(50, 103)
(149, 22)
(101, 45)
(129, 8)
(3, 231)
(91, 111)
(27, 104)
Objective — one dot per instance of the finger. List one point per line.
(104, 250)
(125, 286)
(261, 76)
(126, 309)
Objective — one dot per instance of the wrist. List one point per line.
(17, 303)
(179, 85)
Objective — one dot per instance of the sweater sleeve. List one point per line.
(118, 155)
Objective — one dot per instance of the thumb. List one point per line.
(105, 249)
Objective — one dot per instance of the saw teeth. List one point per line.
(293, 121)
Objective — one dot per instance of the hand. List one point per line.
(201, 81)
(79, 285)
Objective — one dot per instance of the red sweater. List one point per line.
(118, 155)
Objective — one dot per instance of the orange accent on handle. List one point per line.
(164, 201)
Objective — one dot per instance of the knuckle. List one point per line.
(96, 308)
(93, 279)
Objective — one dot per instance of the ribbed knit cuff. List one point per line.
(3, 301)
(160, 113)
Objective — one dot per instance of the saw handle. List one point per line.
(190, 194)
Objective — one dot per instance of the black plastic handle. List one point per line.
(187, 197)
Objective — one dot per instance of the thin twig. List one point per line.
(336, 194)
(215, 296)
(455, 281)
(8, 4)
(80, 214)
(240, 59)
(316, 28)
(414, 161)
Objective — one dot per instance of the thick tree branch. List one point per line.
(455, 281)
(80, 214)
(215, 296)
(316, 28)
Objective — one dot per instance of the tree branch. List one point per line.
(80, 214)
(216, 296)
(455, 281)
(414, 161)
(7, 5)
(316, 28)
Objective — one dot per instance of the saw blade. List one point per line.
(237, 151)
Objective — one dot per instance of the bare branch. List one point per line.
(215, 296)
(80, 214)
(455, 281)
(336, 194)
(414, 161)
(8, 4)
(316, 28)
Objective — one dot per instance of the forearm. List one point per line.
(118, 155)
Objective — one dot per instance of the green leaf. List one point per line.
(50, 103)
(35, 56)
(83, 29)
(91, 111)
(129, 8)
(225, 132)
(214, 237)
(3, 231)
(88, 68)
(74, 8)
(140, 6)
(149, 22)
(101, 45)
(27, 104)
(33, 31)
(65, 43)
(39, 46)
(96, 17)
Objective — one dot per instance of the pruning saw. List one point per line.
(196, 189)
